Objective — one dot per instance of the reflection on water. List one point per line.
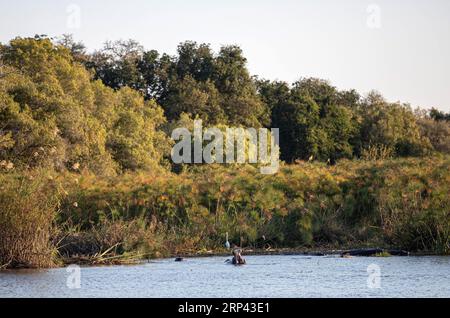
(264, 276)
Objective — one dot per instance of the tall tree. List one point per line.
(53, 113)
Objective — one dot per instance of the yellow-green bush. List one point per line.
(402, 203)
(28, 205)
(394, 203)
(53, 113)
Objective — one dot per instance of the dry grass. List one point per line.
(28, 205)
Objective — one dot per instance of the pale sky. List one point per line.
(403, 52)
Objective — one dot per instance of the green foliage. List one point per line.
(398, 203)
(312, 123)
(391, 125)
(437, 132)
(52, 113)
(438, 115)
(305, 204)
(134, 141)
(415, 206)
(28, 205)
(316, 120)
(217, 88)
(200, 99)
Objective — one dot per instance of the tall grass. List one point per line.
(401, 203)
(28, 204)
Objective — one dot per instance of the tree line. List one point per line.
(112, 110)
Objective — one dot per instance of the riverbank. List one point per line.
(90, 261)
(49, 218)
(301, 251)
(323, 251)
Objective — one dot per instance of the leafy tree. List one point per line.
(437, 132)
(77, 49)
(195, 60)
(239, 92)
(297, 118)
(273, 93)
(117, 65)
(133, 140)
(107, 120)
(311, 122)
(319, 90)
(390, 124)
(196, 98)
(220, 85)
(439, 115)
(53, 113)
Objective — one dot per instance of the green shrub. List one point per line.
(28, 205)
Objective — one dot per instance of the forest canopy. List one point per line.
(110, 111)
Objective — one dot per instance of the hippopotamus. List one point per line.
(237, 257)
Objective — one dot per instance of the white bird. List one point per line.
(227, 244)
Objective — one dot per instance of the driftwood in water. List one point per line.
(373, 252)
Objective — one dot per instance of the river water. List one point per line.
(263, 276)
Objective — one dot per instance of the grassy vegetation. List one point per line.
(402, 203)
(28, 206)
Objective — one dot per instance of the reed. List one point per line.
(401, 203)
(398, 203)
(28, 205)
